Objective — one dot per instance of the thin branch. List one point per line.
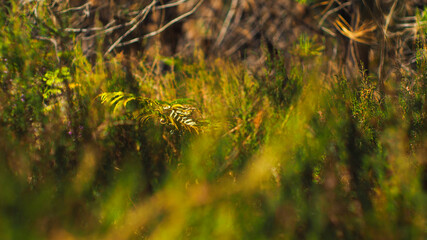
(84, 30)
(53, 41)
(406, 25)
(144, 15)
(175, 20)
(106, 29)
(227, 22)
(109, 28)
(169, 5)
(75, 8)
(388, 18)
(328, 31)
(148, 35)
(333, 11)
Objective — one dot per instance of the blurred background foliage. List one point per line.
(212, 119)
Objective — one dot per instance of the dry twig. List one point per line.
(227, 22)
(151, 34)
(53, 41)
(144, 14)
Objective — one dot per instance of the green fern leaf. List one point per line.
(176, 114)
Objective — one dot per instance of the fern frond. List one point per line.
(181, 114)
(176, 114)
(117, 100)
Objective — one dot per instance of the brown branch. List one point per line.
(332, 11)
(53, 41)
(227, 22)
(148, 35)
(86, 5)
(144, 12)
(169, 5)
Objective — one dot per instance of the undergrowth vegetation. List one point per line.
(205, 149)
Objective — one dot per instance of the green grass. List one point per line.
(295, 153)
